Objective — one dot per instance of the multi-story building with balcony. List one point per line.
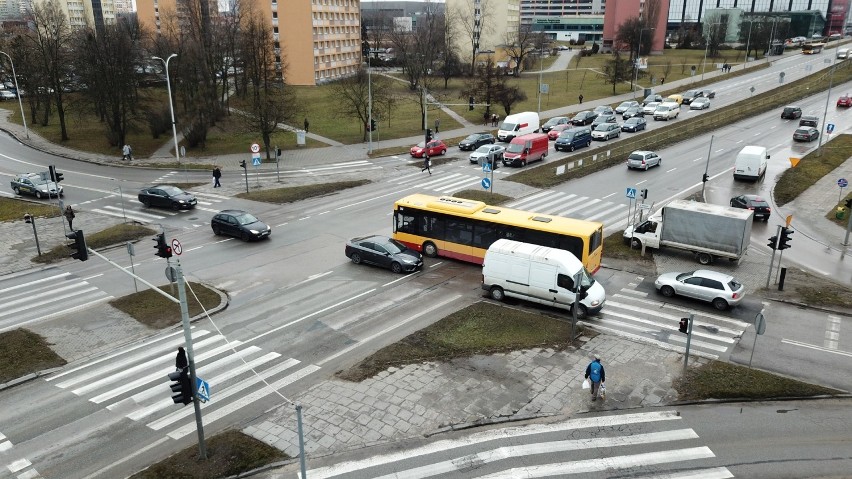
(558, 8)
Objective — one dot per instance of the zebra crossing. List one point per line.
(135, 211)
(557, 203)
(659, 443)
(133, 381)
(637, 315)
(44, 294)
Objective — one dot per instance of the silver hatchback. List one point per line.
(720, 289)
(643, 160)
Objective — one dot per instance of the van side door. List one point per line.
(543, 284)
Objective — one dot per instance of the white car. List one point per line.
(7, 95)
(699, 104)
(666, 111)
(649, 107)
(480, 155)
(605, 131)
(720, 289)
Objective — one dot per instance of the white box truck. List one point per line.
(751, 163)
(541, 275)
(706, 230)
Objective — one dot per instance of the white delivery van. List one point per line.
(539, 274)
(518, 124)
(751, 163)
(842, 53)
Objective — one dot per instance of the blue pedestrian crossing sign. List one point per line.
(631, 193)
(829, 128)
(486, 183)
(486, 167)
(255, 160)
(202, 389)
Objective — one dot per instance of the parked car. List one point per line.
(720, 289)
(435, 147)
(474, 141)
(649, 108)
(573, 138)
(167, 196)
(666, 111)
(637, 123)
(652, 98)
(34, 184)
(482, 153)
(625, 105)
(791, 112)
(604, 110)
(240, 224)
(845, 101)
(700, 103)
(604, 118)
(7, 95)
(707, 93)
(605, 131)
(632, 112)
(755, 203)
(557, 120)
(690, 95)
(643, 160)
(675, 98)
(584, 118)
(809, 120)
(557, 130)
(805, 133)
(385, 252)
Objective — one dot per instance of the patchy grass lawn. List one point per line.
(228, 454)
(814, 290)
(832, 215)
(101, 239)
(155, 311)
(794, 181)
(482, 328)
(483, 196)
(13, 209)
(297, 193)
(23, 352)
(719, 380)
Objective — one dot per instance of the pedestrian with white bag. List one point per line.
(595, 377)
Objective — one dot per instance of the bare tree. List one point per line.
(617, 70)
(522, 43)
(485, 85)
(473, 19)
(450, 61)
(352, 96)
(715, 30)
(508, 95)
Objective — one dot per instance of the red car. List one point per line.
(435, 147)
(556, 130)
(845, 100)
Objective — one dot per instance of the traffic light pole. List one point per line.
(772, 260)
(688, 340)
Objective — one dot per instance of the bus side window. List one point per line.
(405, 223)
(565, 281)
(484, 235)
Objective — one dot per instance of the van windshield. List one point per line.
(586, 280)
(515, 148)
(509, 126)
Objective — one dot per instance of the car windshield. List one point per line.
(246, 219)
(483, 149)
(602, 127)
(393, 246)
(683, 276)
(653, 104)
(515, 148)
(552, 121)
(37, 180)
(566, 134)
(420, 145)
(633, 121)
(509, 126)
(471, 138)
(172, 190)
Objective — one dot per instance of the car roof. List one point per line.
(706, 273)
(753, 197)
(231, 212)
(641, 152)
(371, 238)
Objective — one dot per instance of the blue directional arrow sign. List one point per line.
(631, 193)
(486, 183)
(202, 389)
(829, 127)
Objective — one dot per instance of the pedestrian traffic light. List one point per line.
(163, 248)
(470, 103)
(784, 241)
(180, 386)
(643, 193)
(428, 135)
(684, 325)
(705, 178)
(78, 247)
(372, 124)
(773, 242)
(243, 164)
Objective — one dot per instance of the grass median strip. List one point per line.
(101, 239)
(155, 311)
(719, 380)
(297, 193)
(23, 352)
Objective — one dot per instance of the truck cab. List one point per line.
(645, 233)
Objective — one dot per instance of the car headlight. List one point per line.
(181, 201)
(595, 303)
(255, 232)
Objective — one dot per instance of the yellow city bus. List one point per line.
(811, 48)
(463, 229)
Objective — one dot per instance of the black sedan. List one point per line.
(806, 133)
(755, 203)
(584, 118)
(167, 196)
(476, 140)
(637, 123)
(239, 224)
(385, 252)
(633, 111)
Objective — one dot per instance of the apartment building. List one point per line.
(320, 40)
(80, 13)
(539, 9)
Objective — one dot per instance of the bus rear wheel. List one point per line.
(430, 250)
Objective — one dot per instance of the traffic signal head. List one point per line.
(372, 125)
(52, 170)
(163, 248)
(773, 242)
(684, 325)
(243, 164)
(784, 241)
(180, 386)
(643, 193)
(78, 247)
(705, 178)
(470, 103)
(428, 135)
(28, 218)
(849, 203)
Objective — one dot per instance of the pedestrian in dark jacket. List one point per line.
(427, 163)
(306, 125)
(581, 99)
(180, 360)
(69, 215)
(217, 173)
(437, 125)
(596, 375)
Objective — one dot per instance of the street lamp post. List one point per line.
(369, 107)
(540, 72)
(171, 104)
(706, 47)
(18, 94)
(636, 60)
(748, 40)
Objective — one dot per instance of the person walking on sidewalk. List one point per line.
(437, 125)
(581, 98)
(217, 173)
(69, 215)
(306, 124)
(127, 152)
(596, 375)
(427, 163)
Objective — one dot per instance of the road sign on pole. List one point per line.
(255, 148)
(631, 193)
(829, 128)
(486, 183)
(202, 389)
(176, 247)
(842, 183)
